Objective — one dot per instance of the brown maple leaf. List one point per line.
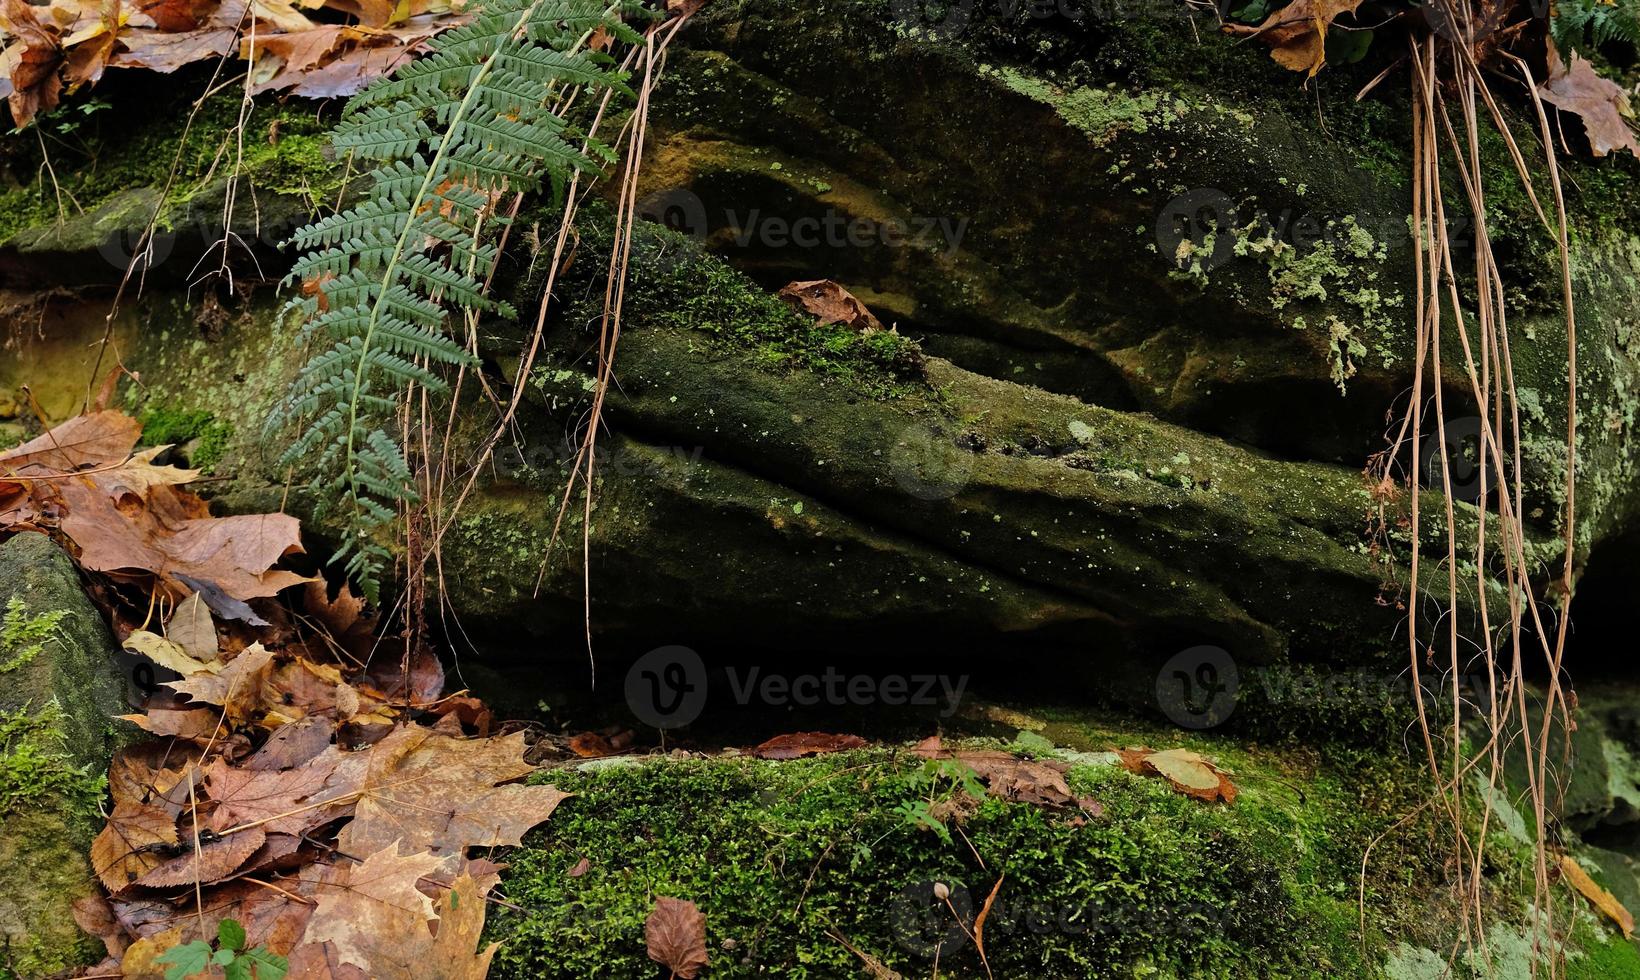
(377, 916)
(675, 934)
(1600, 104)
(368, 908)
(440, 794)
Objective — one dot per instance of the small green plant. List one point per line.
(22, 636)
(941, 785)
(236, 962)
(452, 133)
(1585, 25)
(33, 766)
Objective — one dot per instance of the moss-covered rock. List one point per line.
(59, 689)
(797, 864)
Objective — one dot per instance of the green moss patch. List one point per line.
(789, 860)
(165, 425)
(90, 151)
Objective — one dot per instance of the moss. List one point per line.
(33, 767)
(677, 286)
(167, 425)
(283, 150)
(783, 857)
(22, 636)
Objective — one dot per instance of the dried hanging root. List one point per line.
(1446, 80)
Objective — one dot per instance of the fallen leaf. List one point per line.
(675, 934)
(831, 303)
(135, 841)
(581, 867)
(1297, 33)
(1599, 897)
(293, 745)
(439, 793)
(86, 440)
(367, 908)
(213, 860)
(1187, 771)
(170, 655)
(1038, 781)
(31, 61)
(591, 745)
(799, 744)
(192, 629)
(1600, 104)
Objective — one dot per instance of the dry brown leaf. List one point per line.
(286, 801)
(175, 16)
(440, 794)
(86, 440)
(213, 860)
(1038, 781)
(192, 629)
(591, 745)
(830, 302)
(292, 745)
(170, 655)
(1297, 33)
(675, 934)
(799, 744)
(1600, 104)
(1188, 772)
(31, 63)
(134, 842)
(370, 911)
(1599, 897)
(240, 687)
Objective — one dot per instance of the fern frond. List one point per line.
(451, 132)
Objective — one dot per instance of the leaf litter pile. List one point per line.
(314, 48)
(304, 806)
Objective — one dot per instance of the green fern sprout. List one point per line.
(450, 133)
(1586, 25)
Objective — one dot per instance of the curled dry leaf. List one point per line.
(169, 655)
(1187, 771)
(799, 744)
(1297, 33)
(675, 934)
(831, 303)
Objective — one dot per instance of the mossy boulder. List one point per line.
(798, 865)
(60, 686)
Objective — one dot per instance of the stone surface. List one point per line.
(57, 704)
